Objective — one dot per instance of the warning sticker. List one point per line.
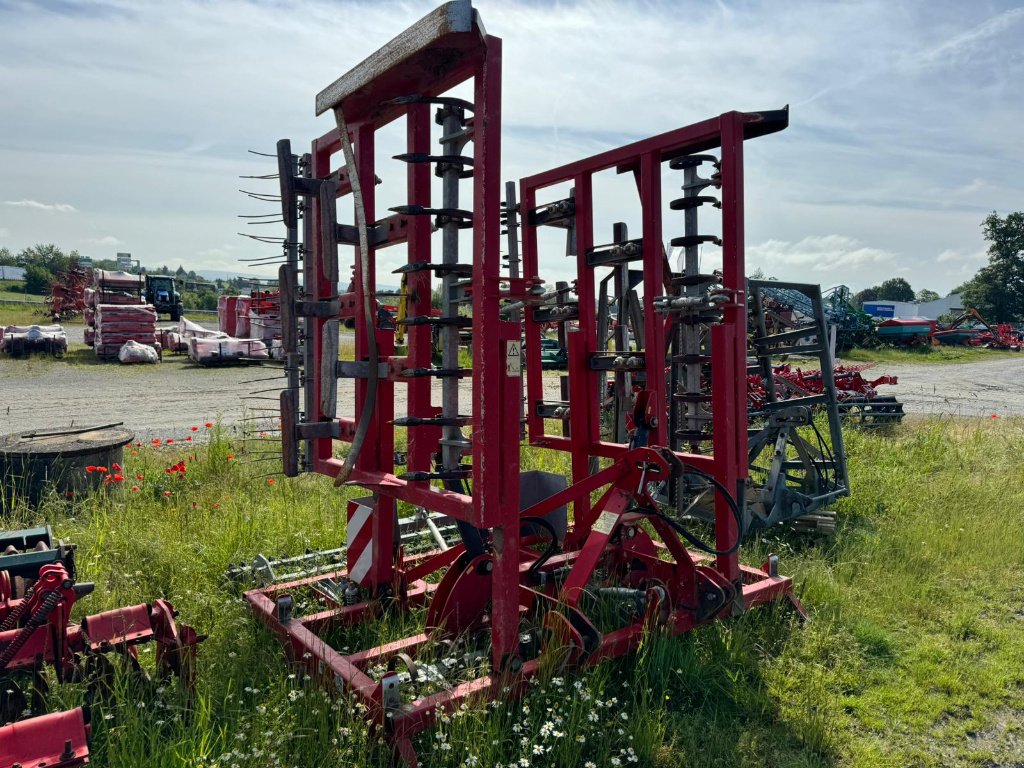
(605, 522)
(514, 358)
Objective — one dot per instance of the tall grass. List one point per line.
(914, 655)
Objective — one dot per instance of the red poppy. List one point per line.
(195, 429)
(118, 478)
(90, 468)
(167, 493)
(170, 440)
(230, 457)
(102, 469)
(138, 445)
(116, 466)
(156, 441)
(208, 425)
(188, 439)
(139, 476)
(270, 481)
(216, 506)
(135, 489)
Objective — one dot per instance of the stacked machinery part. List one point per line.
(37, 593)
(521, 580)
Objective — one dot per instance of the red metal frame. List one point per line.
(513, 578)
(58, 740)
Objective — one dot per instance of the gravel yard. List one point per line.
(165, 400)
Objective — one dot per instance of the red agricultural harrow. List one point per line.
(67, 292)
(38, 590)
(523, 580)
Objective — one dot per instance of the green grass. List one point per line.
(914, 655)
(924, 355)
(12, 314)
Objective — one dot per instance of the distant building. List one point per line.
(12, 273)
(950, 305)
(930, 309)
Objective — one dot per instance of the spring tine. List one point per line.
(265, 176)
(260, 195)
(275, 389)
(261, 154)
(271, 221)
(256, 215)
(257, 381)
(263, 238)
(252, 397)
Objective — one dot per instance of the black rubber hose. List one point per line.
(692, 538)
(552, 545)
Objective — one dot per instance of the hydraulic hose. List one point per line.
(370, 404)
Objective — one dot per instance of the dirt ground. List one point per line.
(165, 400)
(958, 389)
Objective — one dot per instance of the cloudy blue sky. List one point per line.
(124, 125)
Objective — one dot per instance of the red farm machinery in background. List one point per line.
(520, 565)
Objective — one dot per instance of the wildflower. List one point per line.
(170, 440)
(135, 489)
(116, 466)
(229, 457)
(195, 429)
(208, 425)
(167, 493)
(188, 439)
(270, 481)
(139, 476)
(90, 468)
(118, 478)
(104, 470)
(156, 441)
(615, 761)
(216, 506)
(589, 764)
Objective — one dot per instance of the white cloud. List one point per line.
(972, 258)
(817, 253)
(36, 205)
(108, 240)
(5, 232)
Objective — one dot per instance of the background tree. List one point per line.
(868, 294)
(7, 258)
(895, 289)
(997, 290)
(924, 296)
(37, 279)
